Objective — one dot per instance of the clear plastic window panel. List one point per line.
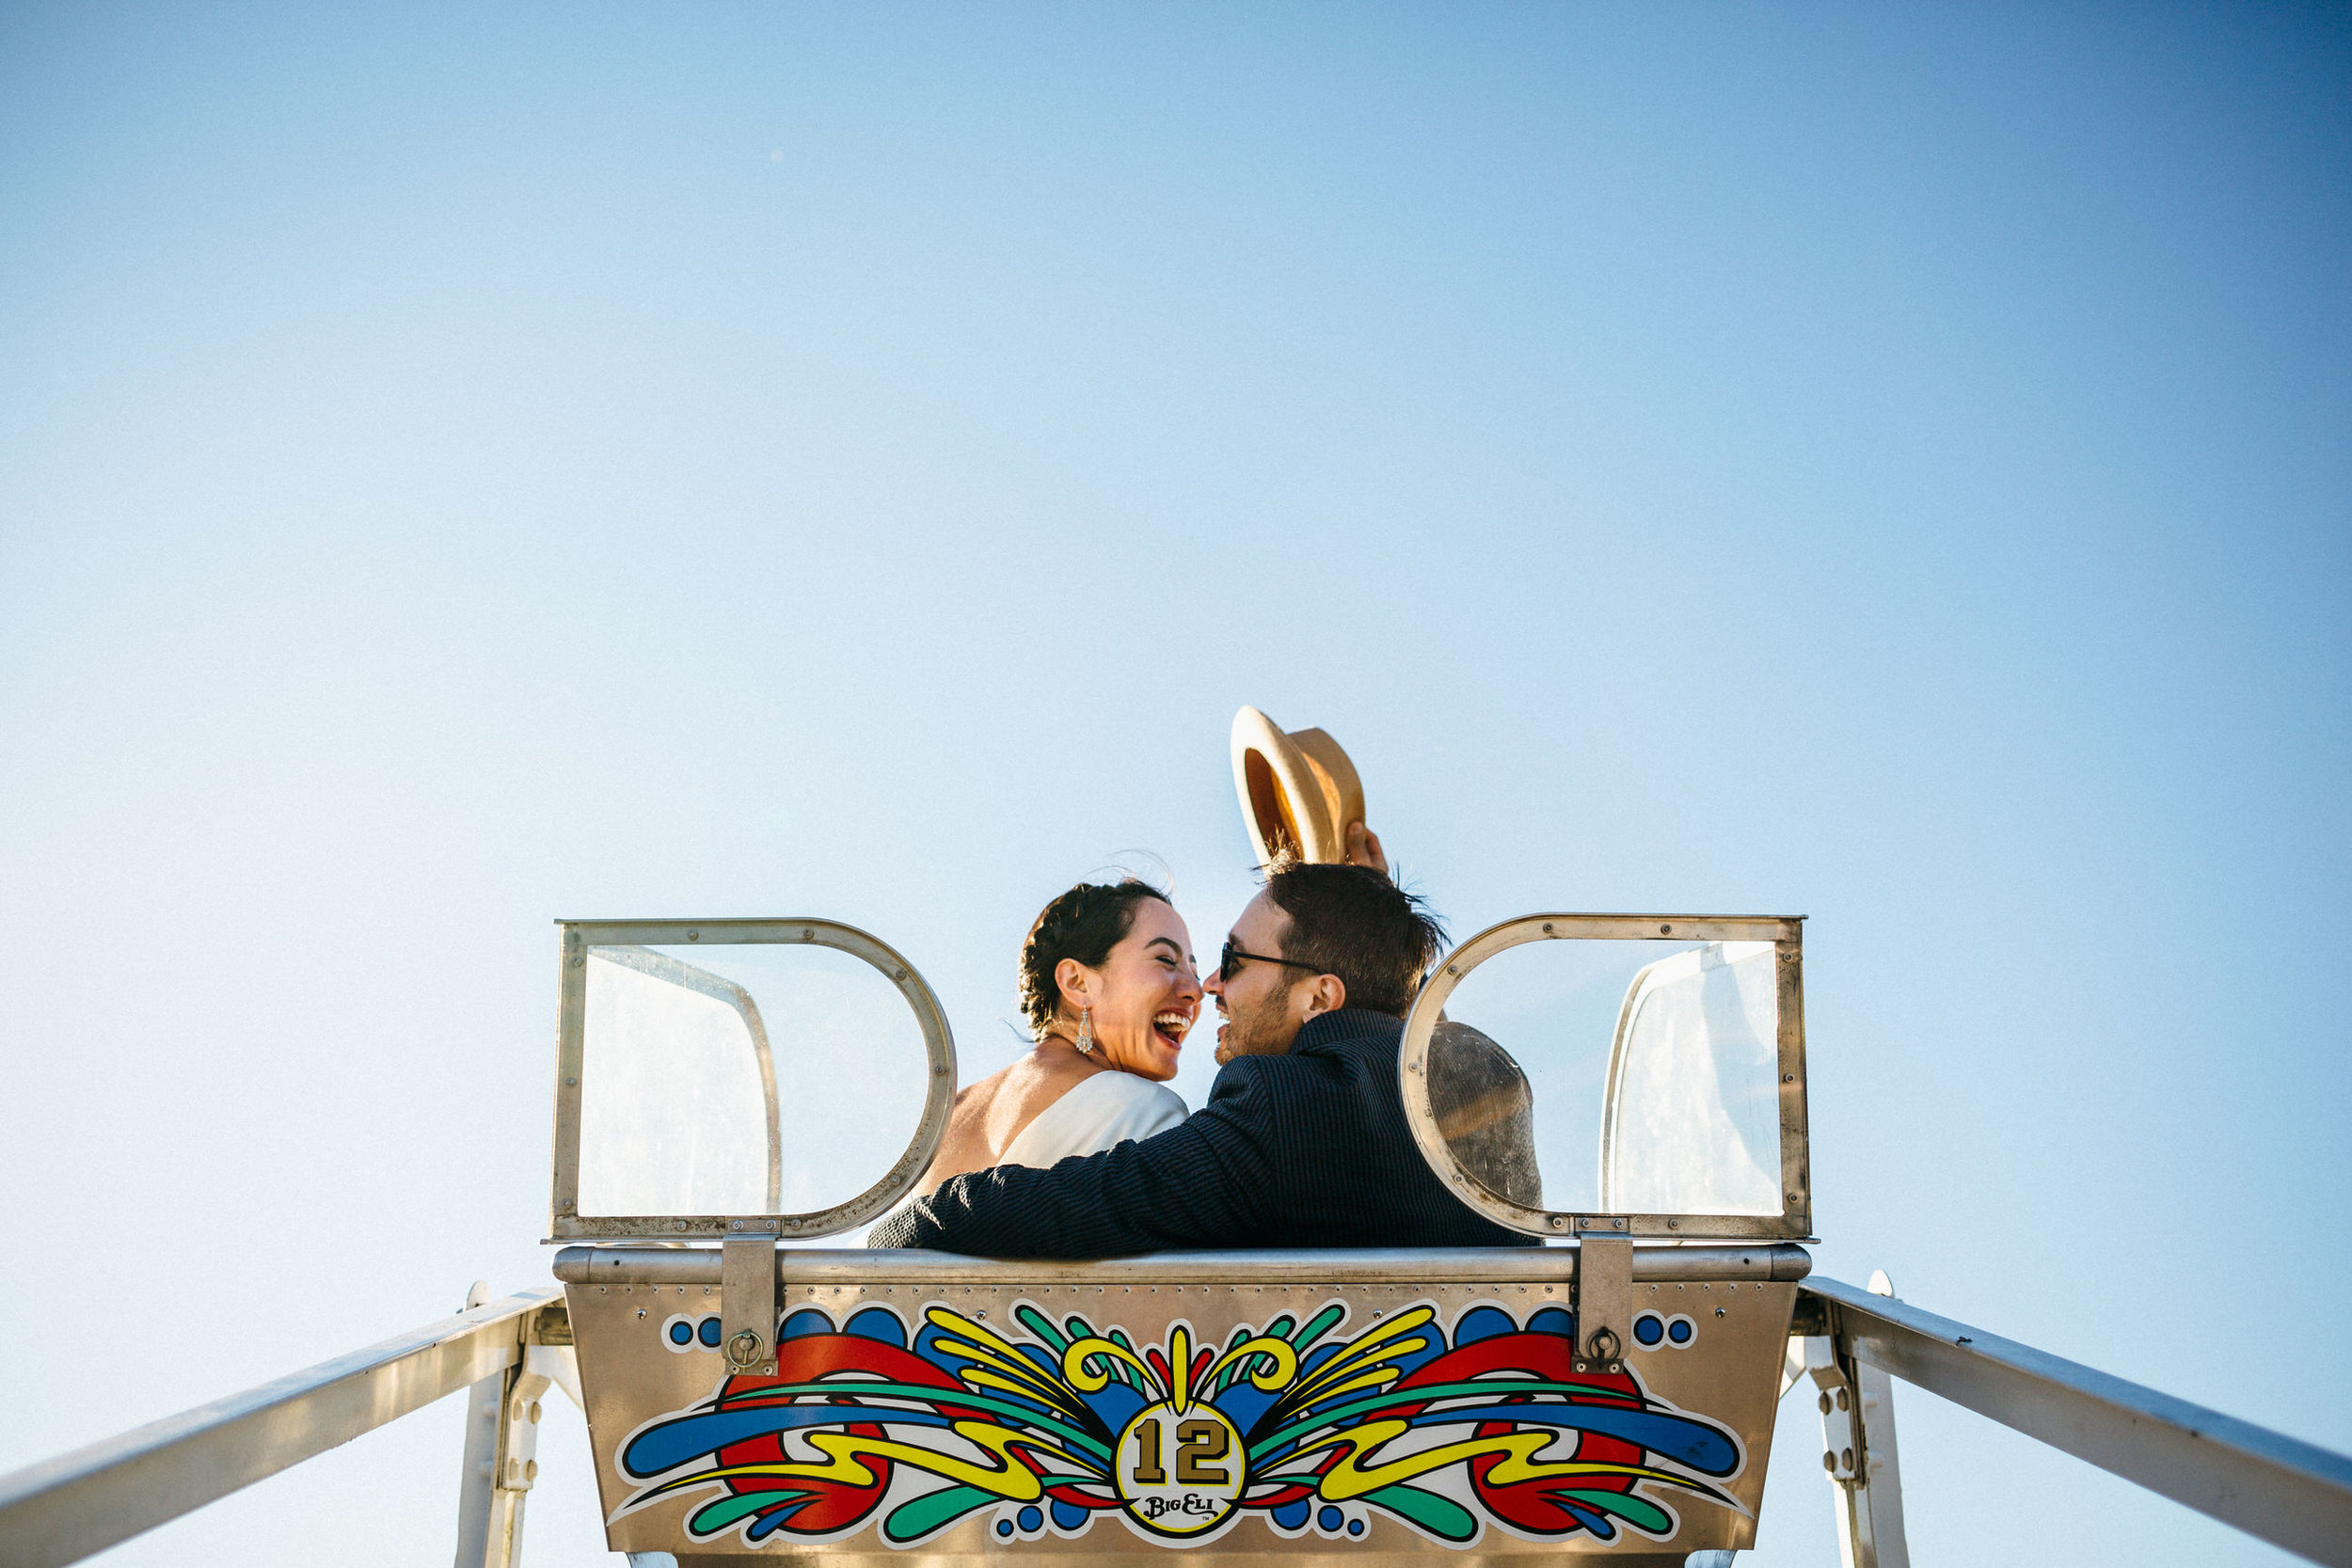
(741, 1079)
(1617, 1077)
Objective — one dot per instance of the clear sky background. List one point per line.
(464, 467)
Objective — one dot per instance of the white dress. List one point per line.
(1105, 1109)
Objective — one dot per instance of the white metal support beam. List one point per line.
(1856, 1403)
(501, 1461)
(502, 1457)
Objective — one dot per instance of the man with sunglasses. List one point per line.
(1303, 1142)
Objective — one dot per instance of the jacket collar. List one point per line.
(1348, 1024)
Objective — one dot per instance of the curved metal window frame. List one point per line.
(1787, 935)
(565, 1222)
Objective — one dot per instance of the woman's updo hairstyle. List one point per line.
(1084, 924)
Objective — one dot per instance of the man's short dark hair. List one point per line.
(1353, 922)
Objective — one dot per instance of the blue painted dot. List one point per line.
(1293, 1515)
(1553, 1320)
(804, 1322)
(1031, 1520)
(1328, 1518)
(1354, 1527)
(1648, 1329)
(681, 1332)
(1068, 1515)
(879, 1323)
(1004, 1527)
(709, 1333)
(1678, 1332)
(1482, 1322)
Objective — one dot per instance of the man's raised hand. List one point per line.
(1364, 849)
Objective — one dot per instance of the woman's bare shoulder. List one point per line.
(1028, 1088)
(965, 1146)
(980, 1091)
(989, 1114)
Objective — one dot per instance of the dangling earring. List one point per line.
(1084, 1042)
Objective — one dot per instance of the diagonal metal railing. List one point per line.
(64, 1509)
(2287, 1492)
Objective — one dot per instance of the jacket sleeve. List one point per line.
(1198, 1184)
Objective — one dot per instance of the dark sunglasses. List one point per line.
(1230, 961)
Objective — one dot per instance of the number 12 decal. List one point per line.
(1197, 1443)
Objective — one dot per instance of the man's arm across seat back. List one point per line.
(1204, 1183)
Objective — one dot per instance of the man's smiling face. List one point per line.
(1263, 1004)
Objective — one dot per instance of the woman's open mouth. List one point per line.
(1172, 1027)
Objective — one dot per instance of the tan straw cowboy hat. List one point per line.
(1299, 791)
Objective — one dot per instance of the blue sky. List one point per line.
(460, 469)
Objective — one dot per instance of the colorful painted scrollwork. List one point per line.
(1055, 1424)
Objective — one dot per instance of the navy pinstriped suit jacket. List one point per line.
(1306, 1149)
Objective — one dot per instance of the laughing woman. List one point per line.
(1108, 985)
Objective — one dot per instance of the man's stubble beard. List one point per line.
(1252, 1033)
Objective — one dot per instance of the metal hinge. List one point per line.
(553, 1326)
(1604, 1302)
(747, 1298)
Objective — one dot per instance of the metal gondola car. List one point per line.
(1629, 1089)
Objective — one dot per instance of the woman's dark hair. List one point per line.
(1084, 924)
